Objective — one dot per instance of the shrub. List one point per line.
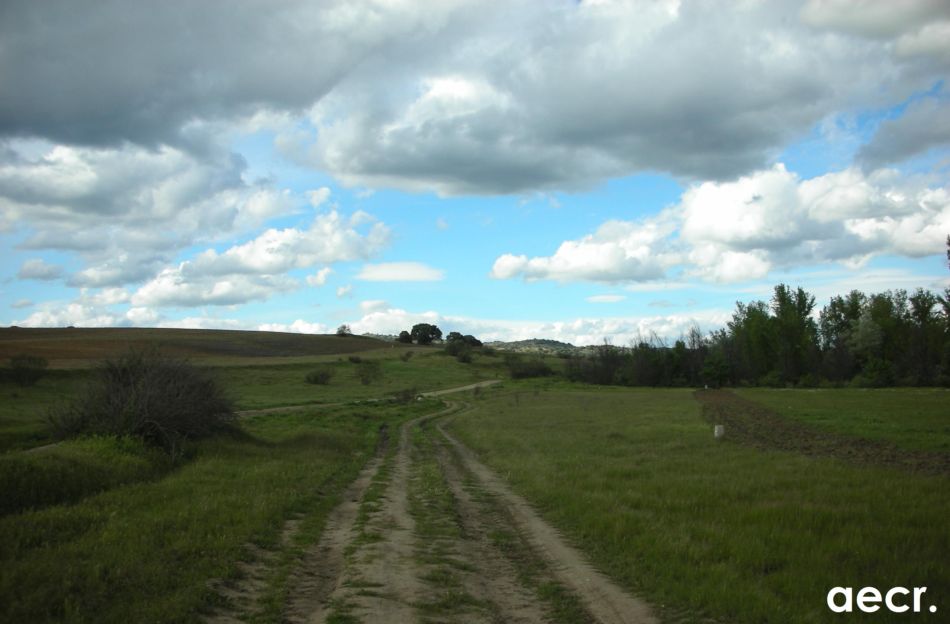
(808, 380)
(522, 369)
(461, 350)
(406, 395)
(320, 376)
(405, 356)
(355, 359)
(771, 379)
(145, 394)
(369, 371)
(26, 370)
(875, 374)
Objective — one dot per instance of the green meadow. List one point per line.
(108, 529)
(712, 529)
(912, 418)
(147, 549)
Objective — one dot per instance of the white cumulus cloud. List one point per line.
(400, 272)
(741, 230)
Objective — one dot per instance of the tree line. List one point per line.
(867, 340)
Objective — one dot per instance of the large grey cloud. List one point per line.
(598, 90)
(127, 210)
(459, 97)
(923, 126)
(105, 71)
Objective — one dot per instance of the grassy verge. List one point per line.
(23, 410)
(912, 418)
(73, 470)
(711, 530)
(146, 551)
(256, 387)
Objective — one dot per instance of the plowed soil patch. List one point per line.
(751, 424)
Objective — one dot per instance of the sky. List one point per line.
(576, 171)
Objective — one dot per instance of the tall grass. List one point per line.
(146, 551)
(912, 418)
(73, 470)
(707, 529)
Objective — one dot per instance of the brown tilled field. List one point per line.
(81, 347)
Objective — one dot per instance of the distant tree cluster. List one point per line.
(889, 338)
(461, 346)
(421, 333)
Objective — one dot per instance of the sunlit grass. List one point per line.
(255, 387)
(913, 418)
(146, 551)
(706, 528)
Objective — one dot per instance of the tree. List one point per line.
(795, 331)
(344, 330)
(424, 333)
(456, 343)
(924, 352)
(715, 369)
(837, 322)
(405, 337)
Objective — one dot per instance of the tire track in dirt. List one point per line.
(318, 572)
(469, 577)
(321, 568)
(417, 540)
(606, 602)
(752, 424)
(379, 580)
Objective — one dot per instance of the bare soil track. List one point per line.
(749, 423)
(428, 533)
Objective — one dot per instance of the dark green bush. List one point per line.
(355, 359)
(145, 394)
(808, 380)
(405, 356)
(520, 368)
(369, 371)
(406, 395)
(320, 376)
(772, 379)
(26, 370)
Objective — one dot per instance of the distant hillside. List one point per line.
(535, 345)
(73, 344)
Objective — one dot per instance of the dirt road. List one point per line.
(428, 533)
(294, 408)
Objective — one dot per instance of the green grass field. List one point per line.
(108, 530)
(256, 387)
(711, 529)
(145, 551)
(23, 409)
(913, 418)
